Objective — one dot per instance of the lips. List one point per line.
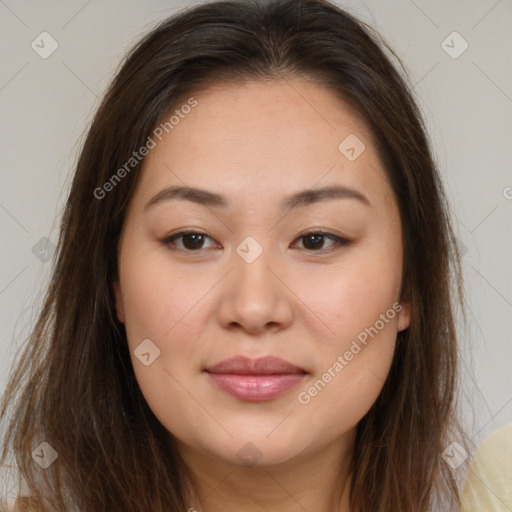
(254, 380)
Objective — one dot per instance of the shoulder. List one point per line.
(489, 482)
(499, 436)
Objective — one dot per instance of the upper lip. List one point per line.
(242, 365)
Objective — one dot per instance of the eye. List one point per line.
(188, 241)
(194, 241)
(314, 241)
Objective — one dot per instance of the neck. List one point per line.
(318, 481)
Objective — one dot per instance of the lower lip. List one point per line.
(256, 388)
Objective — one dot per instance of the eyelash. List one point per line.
(339, 241)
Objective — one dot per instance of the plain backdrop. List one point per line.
(466, 96)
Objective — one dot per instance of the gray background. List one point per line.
(46, 104)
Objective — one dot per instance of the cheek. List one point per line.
(171, 307)
(358, 306)
(350, 297)
(170, 313)
(352, 364)
(159, 300)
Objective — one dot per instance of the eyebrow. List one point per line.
(293, 201)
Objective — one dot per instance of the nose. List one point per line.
(255, 297)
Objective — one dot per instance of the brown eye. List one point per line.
(188, 241)
(193, 241)
(315, 240)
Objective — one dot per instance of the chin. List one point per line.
(255, 451)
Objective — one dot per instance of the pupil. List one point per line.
(315, 239)
(196, 240)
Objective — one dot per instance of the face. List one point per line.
(294, 251)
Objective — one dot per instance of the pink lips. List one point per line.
(255, 379)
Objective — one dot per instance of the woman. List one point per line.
(251, 306)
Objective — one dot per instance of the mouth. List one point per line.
(255, 380)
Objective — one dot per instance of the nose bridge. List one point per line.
(253, 261)
(255, 297)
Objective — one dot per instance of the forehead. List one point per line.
(268, 137)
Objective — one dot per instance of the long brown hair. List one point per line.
(74, 386)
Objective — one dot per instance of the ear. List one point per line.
(119, 302)
(404, 316)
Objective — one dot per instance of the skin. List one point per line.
(255, 144)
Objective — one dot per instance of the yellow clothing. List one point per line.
(488, 487)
